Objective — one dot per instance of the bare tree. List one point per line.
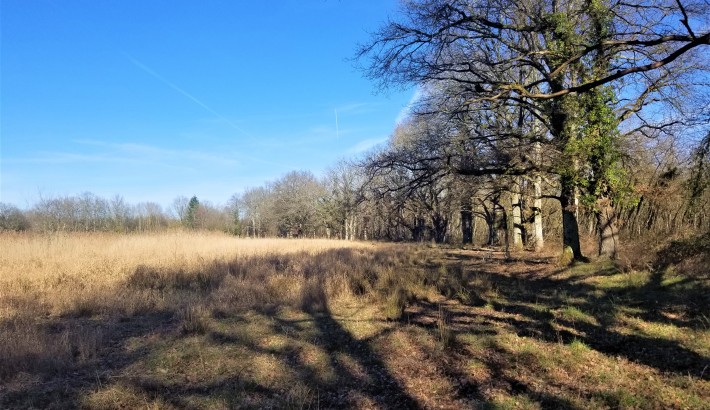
(12, 219)
(569, 48)
(295, 202)
(256, 209)
(179, 207)
(339, 206)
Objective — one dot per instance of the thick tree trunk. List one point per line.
(507, 219)
(537, 215)
(350, 226)
(346, 228)
(418, 231)
(571, 249)
(467, 224)
(516, 219)
(365, 224)
(473, 225)
(440, 227)
(491, 220)
(607, 228)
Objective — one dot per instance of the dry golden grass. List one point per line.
(52, 287)
(110, 257)
(199, 320)
(63, 273)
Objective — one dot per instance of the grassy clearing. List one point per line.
(208, 321)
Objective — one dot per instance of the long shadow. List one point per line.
(61, 385)
(373, 380)
(377, 383)
(42, 381)
(500, 367)
(688, 295)
(230, 389)
(64, 386)
(662, 354)
(550, 293)
(85, 348)
(499, 362)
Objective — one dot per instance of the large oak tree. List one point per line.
(542, 57)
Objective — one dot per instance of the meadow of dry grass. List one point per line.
(195, 320)
(63, 274)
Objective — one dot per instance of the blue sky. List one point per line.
(155, 99)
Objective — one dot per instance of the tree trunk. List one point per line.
(537, 215)
(571, 249)
(440, 225)
(491, 219)
(419, 227)
(349, 226)
(467, 224)
(473, 225)
(346, 227)
(607, 227)
(516, 218)
(507, 219)
(365, 223)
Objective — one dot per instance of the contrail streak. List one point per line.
(183, 92)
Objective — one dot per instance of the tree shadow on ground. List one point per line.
(46, 382)
(500, 364)
(353, 375)
(353, 372)
(60, 382)
(375, 382)
(537, 295)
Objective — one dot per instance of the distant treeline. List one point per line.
(374, 200)
(88, 212)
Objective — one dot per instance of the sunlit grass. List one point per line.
(622, 281)
(574, 314)
(80, 273)
(305, 324)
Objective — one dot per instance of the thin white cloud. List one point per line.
(366, 145)
(132, 153)
(407, 110)
(70, 158)
(151, 151)
(354, 108)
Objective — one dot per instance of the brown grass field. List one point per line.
(198, 320)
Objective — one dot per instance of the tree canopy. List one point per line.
(561, 74)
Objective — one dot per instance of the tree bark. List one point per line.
(537, 215)
(571, 249)
(419, 229)
(607, 228)
(467, 224)
(350, 226)
(491, 221)
(473, 224)
(440, 225)
(507, 219)
(516, 219)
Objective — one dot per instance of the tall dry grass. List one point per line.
(62, 295)
(61, 272)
